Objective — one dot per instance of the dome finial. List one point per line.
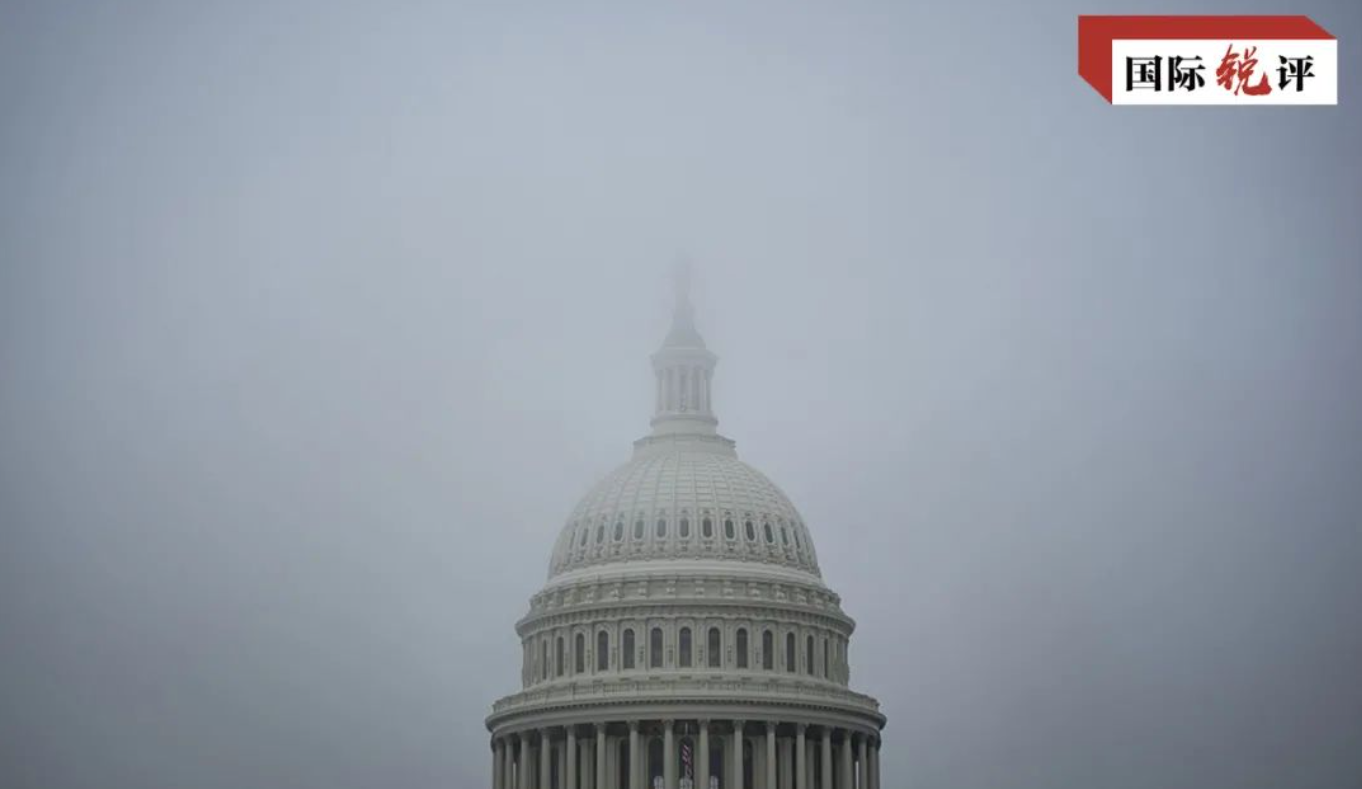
(681, 281)
(683, 333)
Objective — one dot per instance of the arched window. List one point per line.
(626, 768)
(544, 663)
(751, 532)
(768, 651)
(655, 648)
(638, 529)
(728, 529)
(602, 651)
(560, 663)
(683, 649)
(770, 538)
(579, 654)
(619, 530)
(799, 546)
(742, 647)
(582, 543)
(600, 534)
(715, 650)
(825, 658)
(661, 527)
(718, 757)
(784, 536)
(627, 649)
(707, 528)
(808, 656)
(789, 652)
(685, 528)
(655, 767)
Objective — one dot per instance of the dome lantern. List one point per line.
(683, 368)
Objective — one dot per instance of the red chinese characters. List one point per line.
(1236, 70)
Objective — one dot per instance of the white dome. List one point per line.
(684, 497)
(683, 597)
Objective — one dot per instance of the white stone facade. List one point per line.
(685, 638)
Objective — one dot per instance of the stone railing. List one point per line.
(718, 591)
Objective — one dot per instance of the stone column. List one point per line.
(635, 769)
(497, 751)
(586, 758)
(570, 780)
(825, 779)
(848, 761)
(507, 754)
(702, 769)
(601, 769)
(863, 765)
(875, 764)
(619, 747)
(669, 754)
(801, 761)
(737, 754)
(770, 755)
(545, 760)
(523, 770)
(786, 764)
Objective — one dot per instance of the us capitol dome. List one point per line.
(685, 638)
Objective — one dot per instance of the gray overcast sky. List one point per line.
(316, 319)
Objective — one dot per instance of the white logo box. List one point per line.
(1321, 88)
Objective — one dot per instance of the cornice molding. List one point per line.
(795, 700)
(693, 610)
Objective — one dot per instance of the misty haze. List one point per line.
(318, 320)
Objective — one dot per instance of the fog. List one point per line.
(317, 319)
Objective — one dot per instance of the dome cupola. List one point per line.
(683, 367)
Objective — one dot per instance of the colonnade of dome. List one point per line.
(680, 753)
